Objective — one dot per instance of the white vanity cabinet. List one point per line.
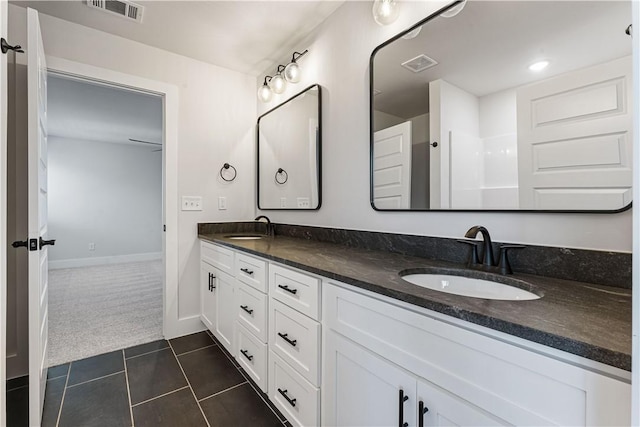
(374, 349)
(295, 344)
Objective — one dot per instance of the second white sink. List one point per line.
(470, 287)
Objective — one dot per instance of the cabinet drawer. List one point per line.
(294, 396)
(295, 338)
(295, 289)
(252, 310)
(252, 356)
(217, 256)
(252, 271)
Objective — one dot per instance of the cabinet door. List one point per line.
(225, 309)
(441, 408)
(363, 389)
(207, 296)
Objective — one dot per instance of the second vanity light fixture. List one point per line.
(284, 74)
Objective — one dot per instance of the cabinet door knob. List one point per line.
(287, 339)
(288, 289)
(401, 399)
(284, 394)
(421, 411)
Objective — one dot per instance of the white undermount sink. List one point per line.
(470, 287)
(244, 237)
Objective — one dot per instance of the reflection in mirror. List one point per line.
(289, 140)
(506, 105)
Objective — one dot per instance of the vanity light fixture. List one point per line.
(278, 84)
(385, 12)
(538, 66)
(264, 93)
(292, 70)
(412, 34)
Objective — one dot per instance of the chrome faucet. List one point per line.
(269, 229)
(488, 260)
(487, 248)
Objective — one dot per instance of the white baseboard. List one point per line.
(119, 259)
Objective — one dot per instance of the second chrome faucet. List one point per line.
(488, 259)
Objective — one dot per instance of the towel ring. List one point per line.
(281, 172)
(227, 166)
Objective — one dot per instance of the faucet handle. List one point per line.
(504, 266)
(473, 256)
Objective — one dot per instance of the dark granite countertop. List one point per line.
(588, 320)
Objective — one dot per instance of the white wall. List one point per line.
(217, 114)
(348, 37)
(107, 194)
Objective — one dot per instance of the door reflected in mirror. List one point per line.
(289, 145)
(506, 105)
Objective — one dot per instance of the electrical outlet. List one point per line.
(92, 246)
(303, 202)
(222, 203)
(283, 202)
(191, 203)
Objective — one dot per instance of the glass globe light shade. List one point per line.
(277, 83)
(292, 73)
(264, 93)
(385, 12)
(454, 10)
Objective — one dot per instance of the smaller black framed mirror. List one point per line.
(289, 141)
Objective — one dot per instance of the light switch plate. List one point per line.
(303, 202)
(283, 202)
(191, 203)
(222, 203)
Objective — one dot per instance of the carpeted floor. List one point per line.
(95, 310)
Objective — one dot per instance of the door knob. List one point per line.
(46, 242)
(434, 144)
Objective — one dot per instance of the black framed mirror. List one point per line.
(517, 106)
(289, 142)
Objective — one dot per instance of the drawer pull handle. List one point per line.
(246, 270)
(288, 289)
(247, 309)
(284, 394)
(401, 400)
(421, 411)
(211, 282)
(246, 354)
(287, 339)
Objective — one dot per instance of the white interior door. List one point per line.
(575, 139)
(37, 194)
(392, 167)
(3, 216)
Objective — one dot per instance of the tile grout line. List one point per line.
(224, 391)
(189, 384)
(126, 377)
(64, 393)
(144, 354)
(258, 392)
(95, 379)
(158, 397)
(197, 349)
(54, 378)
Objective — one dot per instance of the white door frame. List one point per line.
(171, 324)
(3, 217)
(635, 350)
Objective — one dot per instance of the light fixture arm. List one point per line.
(266, 82)
(281, 68)
(298, 55)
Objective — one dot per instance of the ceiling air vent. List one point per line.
(126, 9)
(419, 63)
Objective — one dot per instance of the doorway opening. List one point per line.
(105, 210)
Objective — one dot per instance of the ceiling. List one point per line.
(488, 47)
(86, 111)
(245, 36)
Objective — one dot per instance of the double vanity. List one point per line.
(339, 335)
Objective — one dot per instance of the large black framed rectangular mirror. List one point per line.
(505, 106)
(289, 139)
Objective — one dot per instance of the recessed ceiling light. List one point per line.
(538, 66)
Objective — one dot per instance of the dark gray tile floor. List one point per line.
(188, 381)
